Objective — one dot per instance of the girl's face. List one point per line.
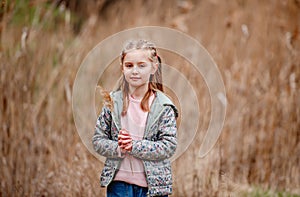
(137, 68)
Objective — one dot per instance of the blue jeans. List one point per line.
(122, 189)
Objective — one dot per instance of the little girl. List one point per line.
(136, 130)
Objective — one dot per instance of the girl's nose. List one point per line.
(135, 69)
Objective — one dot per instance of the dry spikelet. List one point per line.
(107, 101)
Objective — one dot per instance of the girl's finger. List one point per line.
(126, 146)
(124, 132)
(123, 137)
(126, 141)
(129, 147)
(119, 143)
(123, 144)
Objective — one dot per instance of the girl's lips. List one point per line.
(134, 78)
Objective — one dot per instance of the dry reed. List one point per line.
(256, 45)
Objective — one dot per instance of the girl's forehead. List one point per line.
(137, 55)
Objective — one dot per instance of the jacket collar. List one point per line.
(156, 108)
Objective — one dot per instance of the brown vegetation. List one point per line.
(255, 44)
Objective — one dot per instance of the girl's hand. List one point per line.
(124, 140)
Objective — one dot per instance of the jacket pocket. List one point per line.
(108, 172)
(160, 180)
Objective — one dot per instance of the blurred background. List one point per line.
(256, 45)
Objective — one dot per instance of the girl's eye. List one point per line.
(143, 65)
(128, 65)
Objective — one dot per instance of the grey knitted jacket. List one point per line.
(157, 146)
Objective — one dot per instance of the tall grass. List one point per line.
(255, 44)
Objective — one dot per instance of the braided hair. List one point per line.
(155, 81)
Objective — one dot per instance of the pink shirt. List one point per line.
(132, 169)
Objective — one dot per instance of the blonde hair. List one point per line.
(155, 81)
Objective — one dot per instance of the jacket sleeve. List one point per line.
(102, 139)
(165, 145)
